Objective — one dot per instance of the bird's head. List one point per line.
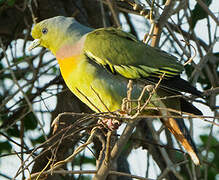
(54, 32)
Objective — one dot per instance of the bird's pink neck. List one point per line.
(69, 50)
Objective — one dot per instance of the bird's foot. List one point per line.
(111, 124)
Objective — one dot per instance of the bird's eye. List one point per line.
(44, 30)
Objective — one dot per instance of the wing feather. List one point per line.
(121, 52)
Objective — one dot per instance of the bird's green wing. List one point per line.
(121, 53)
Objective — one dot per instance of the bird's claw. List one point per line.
(111, 124)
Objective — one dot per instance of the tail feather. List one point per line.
(179, 130)
(176, 84)
(188, 107)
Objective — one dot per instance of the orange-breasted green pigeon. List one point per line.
(97, 64)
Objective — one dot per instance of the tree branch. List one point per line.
(161, 22)
(103, 172)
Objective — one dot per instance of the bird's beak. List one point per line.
(34, 44)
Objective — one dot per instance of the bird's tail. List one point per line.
(178, 129)
(176, 84)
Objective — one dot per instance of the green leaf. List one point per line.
(2, 2)
(5, 146)
(10, 2)
(30, 122)
(212, 173)
(13, 132)
(198, 13)
(55, 69)
(205, 139)
(21, 58)
(1, 66)
(84, 160)
(164, 1)
(38, 140)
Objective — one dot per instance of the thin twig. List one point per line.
(103, 13)
(191, 59)
(64, 172)
(21, 90)
(68, 159)
(111, 5)
(149, 98)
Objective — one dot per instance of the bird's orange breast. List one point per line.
(68, 65)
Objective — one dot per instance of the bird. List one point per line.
(97, 65)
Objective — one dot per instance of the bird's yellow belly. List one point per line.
(96, 87)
